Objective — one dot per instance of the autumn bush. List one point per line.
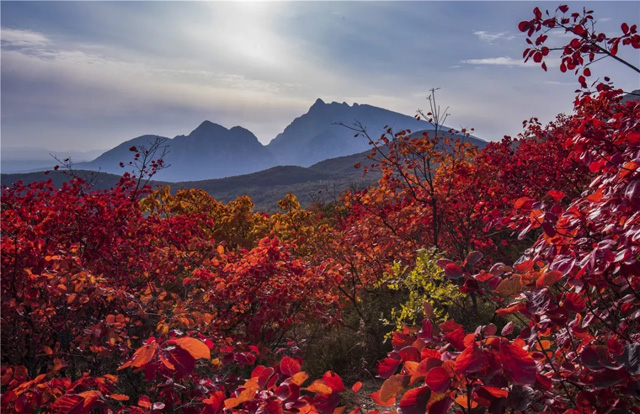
(139, 301)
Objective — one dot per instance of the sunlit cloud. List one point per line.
(492, 37)
(499, 61)
(17, 38)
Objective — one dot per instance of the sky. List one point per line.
(89, 75)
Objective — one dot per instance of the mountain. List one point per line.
(209, 151)
(317, 135)
(212, 151)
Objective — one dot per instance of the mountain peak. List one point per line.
(208, 127)
(318, 102)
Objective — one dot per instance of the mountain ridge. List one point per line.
(213, 151)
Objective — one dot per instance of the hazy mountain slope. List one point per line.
(27, 159)
(209, 151)
(315, 136)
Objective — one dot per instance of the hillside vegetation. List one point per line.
(502, 279)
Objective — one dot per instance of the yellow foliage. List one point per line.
(424, 283)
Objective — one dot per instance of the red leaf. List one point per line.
(289, 366)
(470, 360)
(496, 392)
(474, 257)
(334, 381)
(522, 202)
(556, 195)
(438, 379)
(142, 356)
(524, 265)
(563, 8)
(517, 364)
(450, 326)
(456, 338)
(574, 302)
(508, 329)
(182, 361)
(215, 403)
(596, 197)
(633, 137)
(442, 406)
(523, 26)
(387, 367)
(271, 407)
(144, 402)
(511, 309)
(453, 271)
(548, 279)
(356, 387)
(69, 404)
(625, 28)
(414, 401)
(409, 353)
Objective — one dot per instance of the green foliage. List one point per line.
(424, 283)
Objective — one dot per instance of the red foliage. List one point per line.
(183, 296)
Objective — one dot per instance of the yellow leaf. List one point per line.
(299, 378)
(318, 386)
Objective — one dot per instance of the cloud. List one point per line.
(16, 38)
(492, 37)
(499, 61)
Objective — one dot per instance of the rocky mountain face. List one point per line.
(318, 135)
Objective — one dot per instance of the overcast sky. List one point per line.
(89, 75)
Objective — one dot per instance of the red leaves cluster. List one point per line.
(454, 366)
(87, 275)
(582, 50)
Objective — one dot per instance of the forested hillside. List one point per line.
(503, 279)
